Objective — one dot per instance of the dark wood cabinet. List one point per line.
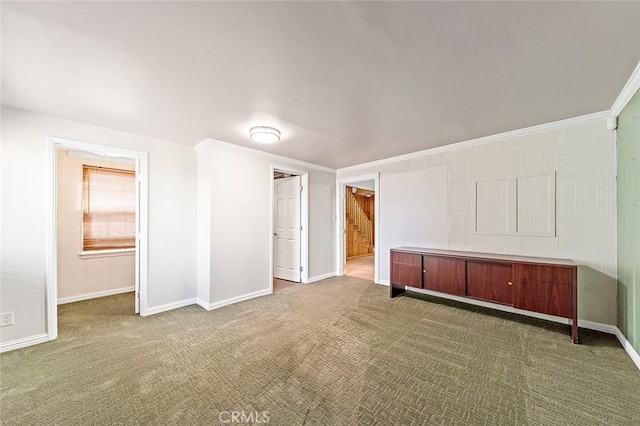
(406, 269)
(490, 281)
(544, 289)
(547, 286)
(443, 274)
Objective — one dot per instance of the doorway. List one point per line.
(358, 226)
(89, 163)
(95, 200)
(289, 253)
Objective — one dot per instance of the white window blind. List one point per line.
(108, 207)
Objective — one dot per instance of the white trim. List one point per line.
(597, 326)
(304, 220)
(304, 235)
(51, 269)
(629, 89)
(87, 155)
(272, 192)
(71, 299)
(202, 303)
(320, 277)
(142, 213)
(169, 306)
(142, 228)
(24, 342)
(340, 222)
(203, 144)
(635, 357)
(514, 223)
(589, 118)
(232, 300)
(107, 253)
(606, 328)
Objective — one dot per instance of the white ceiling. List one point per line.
(345, 82)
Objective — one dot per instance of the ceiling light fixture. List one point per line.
(263, 134)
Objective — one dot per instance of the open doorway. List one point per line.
(96, 204)
(289, 227)
(96, 227)
(358, 226)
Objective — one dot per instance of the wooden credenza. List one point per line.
(547, 286)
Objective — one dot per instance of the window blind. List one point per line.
(108, 208)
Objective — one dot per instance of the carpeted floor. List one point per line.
(337, 352)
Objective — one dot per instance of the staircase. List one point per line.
(359, 229)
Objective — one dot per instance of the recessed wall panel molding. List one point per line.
(524, 206)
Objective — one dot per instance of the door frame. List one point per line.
(341, 255)
(304, 220)
(142, 220)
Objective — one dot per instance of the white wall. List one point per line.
(235, 206)
(172, 214)
(81, 277)
(583, 156)
(424, 223)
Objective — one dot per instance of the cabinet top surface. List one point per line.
(491, 256)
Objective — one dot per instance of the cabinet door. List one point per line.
(406, 269)
(490, 281)
(544, 289)
(444, 274)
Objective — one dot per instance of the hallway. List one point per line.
(361, 267)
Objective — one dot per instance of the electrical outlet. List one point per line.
(6, 319)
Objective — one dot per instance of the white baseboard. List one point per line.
(635, 357)
(24, 342)
(320, 277)
(490, 305)
(63, 300)
(597, 326)
(202, 303)
(232, 300)
(606, 328)
(590, 325)
(169, 306)
(383, 282)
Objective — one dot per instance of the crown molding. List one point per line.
(589, 118)
(203, 145)
(291, 161)
(629, 89)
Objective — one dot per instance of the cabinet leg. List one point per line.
(574, 331)
(395, 290)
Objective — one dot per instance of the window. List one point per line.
(108, 208)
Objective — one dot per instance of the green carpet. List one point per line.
(337, 352)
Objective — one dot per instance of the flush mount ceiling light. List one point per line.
(264, 134)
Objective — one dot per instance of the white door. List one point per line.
(286, 242)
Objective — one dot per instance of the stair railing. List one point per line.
(358, 217)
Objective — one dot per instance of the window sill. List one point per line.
(107, 253)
